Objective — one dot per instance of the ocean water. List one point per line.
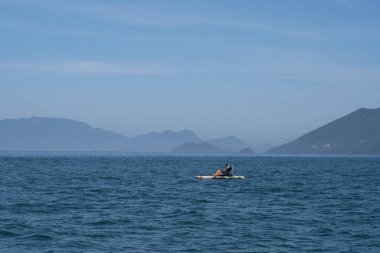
(94, 202)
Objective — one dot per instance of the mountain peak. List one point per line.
(162, 142)
(166, 132)
(357, 132)
(367, 110)
(59, 134)
(186, 131)
(56, 134)
(229, 142)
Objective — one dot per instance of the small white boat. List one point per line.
(219, 177)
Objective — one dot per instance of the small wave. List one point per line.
(5, 233)
(97, 235)
(101, 223)
(39, 237)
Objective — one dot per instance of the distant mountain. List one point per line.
(355, 133)
(246, 151)
(161, 142)
(42, 134)
(197, 148)
(229, 142)
(56, 134)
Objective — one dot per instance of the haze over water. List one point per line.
(114, 202)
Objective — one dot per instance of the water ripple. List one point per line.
(152, 203)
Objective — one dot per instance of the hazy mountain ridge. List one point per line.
(229, 142)
(202, 147)
(41, 133)
(355, 133)
(161, 142)
(58, 134)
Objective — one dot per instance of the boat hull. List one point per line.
(218, 177)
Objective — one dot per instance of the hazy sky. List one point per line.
(265, 71)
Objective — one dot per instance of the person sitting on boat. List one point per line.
(217, 173)
(227, 171)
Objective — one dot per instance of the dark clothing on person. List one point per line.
(227, 171)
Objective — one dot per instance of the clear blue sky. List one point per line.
(265, 71)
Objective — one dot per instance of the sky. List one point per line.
(264, 71)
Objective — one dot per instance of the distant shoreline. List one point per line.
(4, 153)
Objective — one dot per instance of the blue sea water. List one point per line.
(94, 202)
